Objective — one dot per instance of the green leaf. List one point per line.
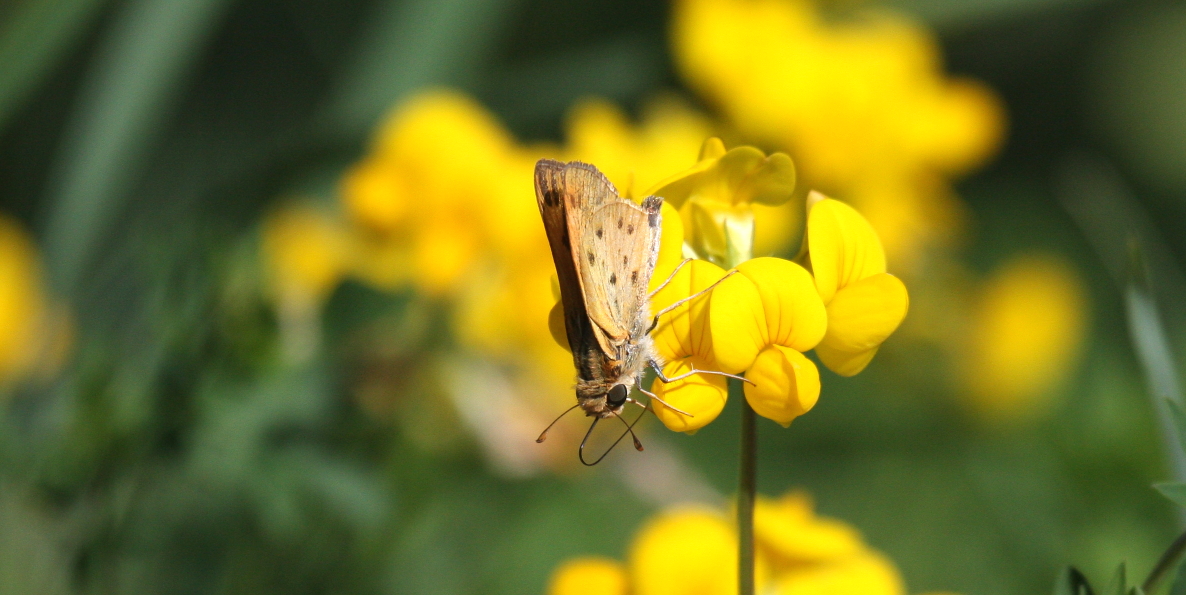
(1072, 582)
(135, 78)
(1174, 491)
(1119, 583)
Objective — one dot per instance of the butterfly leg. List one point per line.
(665, 379)
(678, 303)
(665, 403)
(669, 277)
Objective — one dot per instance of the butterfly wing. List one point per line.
(550, 191)
(616, 250)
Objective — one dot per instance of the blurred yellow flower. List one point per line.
(691, 550)
(34, 334)
(306, 252)
(443, 183)
(865, 304)
(635, 158)
(862, 103)
(589, 576)
(790, 535)
(1025, 335)
(684, 550)
(21, 300)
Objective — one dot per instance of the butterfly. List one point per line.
(605, 248)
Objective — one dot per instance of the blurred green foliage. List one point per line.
(181, 453)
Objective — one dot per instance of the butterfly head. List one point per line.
(604, 399)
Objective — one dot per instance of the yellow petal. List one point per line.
(758, 178)
(702, 396)
(777, 229)
(790, 533)
(556, 326)
(738, 324)
(712, 148)
(687, 550)
(741, 175)
(843, 246)
(769, 301)
(860, 317)
(671, 245)
(786, 384)
(868, 573)
(684, 331)
(795, 316)
(589, 576)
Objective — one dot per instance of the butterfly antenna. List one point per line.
(544, 434)
(629, 430)
(637, 442)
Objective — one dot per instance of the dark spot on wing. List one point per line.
(625, 259)
(630, 229)
(613, 279)
(619, 223)
(599, 232)
(634, 277)
(591, 258)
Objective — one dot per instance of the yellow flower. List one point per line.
(683, 339)
(589, 576)
(867, 573)
(790, 535)
(444, 182)
(862, 104)
(1026, 333)
(21, 301)
(762, 321)
(635, 158)
(693, 551)
(34, 334)
(306, 252)
(683, 551)
(864, 303)
(715, 198)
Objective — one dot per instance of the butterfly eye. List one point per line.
(617, 395)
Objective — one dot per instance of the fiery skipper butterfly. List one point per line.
(605, 248)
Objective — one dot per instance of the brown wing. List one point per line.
(550, 190)
(617, 248)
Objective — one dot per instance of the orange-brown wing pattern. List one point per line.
(616, 249)
(550, 191)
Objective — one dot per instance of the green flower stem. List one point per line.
(746, 488)
(1170, 560)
